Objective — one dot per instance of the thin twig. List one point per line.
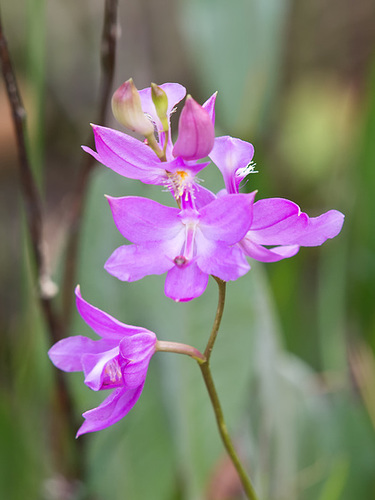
(108, 52)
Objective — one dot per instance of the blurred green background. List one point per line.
(294, 362)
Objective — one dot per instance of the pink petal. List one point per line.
(137, 351)
(185, 283)
(270, 211)
(319, 229)
(175, 93)
(102, 323)
(227, 263)
(277, 221)
(113, 409)
(94, 365)
(196, 132)
(227, 218)
(209, 106)
(127, 156)
(133, 262)
(202, 196)
(262, 254)
(67, 353)
(143, 220)
(138, 347)
(230, 155)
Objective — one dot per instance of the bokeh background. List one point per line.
(294, 362)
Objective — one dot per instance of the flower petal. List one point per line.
(143, 220)
(137, 351)
(319, 229)
(270, 211)
(277, 221)
(113, 409)
(228, 218)
(127, 156)
(227, 263)
(133, 262)
(196, 132)
(185, 283)
(175, 93)
(67, 353)
(202, 196)
(102, 323)
(209, 106)
(94, 367)
(262, 254)
(230, 155)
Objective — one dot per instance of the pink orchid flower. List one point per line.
(135, 159)
(186, 244)
(278, 228)
(118, 360)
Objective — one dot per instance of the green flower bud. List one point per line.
(160, 100)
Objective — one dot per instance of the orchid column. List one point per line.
(205, 234)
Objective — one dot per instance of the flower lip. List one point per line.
(233, 157)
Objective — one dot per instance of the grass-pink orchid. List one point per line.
(187, 244)
(277, 222)
(118, 360)
(174, 166)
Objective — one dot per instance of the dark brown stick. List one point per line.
(108, 51)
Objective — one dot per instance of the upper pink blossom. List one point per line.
(277, 223)
(118, 360)
(135, 159)
(187, 244)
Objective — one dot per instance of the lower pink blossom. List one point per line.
(118, 360)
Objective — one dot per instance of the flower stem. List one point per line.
(217, 321)
(203, 361)
(245, 480)
(207, 376)
(166, 346)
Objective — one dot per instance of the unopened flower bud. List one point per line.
(160, 100)
(127, 109)
(196, 132)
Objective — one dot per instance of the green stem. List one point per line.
(166, 346)
(245, 480)
(204, 365)
(217, 321)
(207, 376)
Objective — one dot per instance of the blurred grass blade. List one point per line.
(362, 363)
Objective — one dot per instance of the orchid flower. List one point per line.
(118, 360)
(276, 222)
(187, 244)
(174, 166)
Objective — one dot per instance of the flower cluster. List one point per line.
(204, 234)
